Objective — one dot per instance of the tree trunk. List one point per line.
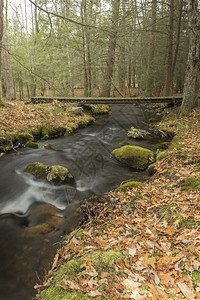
(9, 84)
(111, 49)
(192, 76)
(170, 51)
(151, 67)
(1, 36)
(177, 39)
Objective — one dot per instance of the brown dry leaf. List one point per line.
(167, 279)
(94, 294)
(73, 285)
(55, 261)
(149, 261)
(92, 272)
(104, 275)
(170, 230)
(91, 283)
(157, 293)
(64, 287)
(130, 284)
(186, 291)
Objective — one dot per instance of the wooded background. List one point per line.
(93, 47)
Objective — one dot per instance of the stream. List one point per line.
(26, 202)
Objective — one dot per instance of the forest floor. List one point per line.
(141, 243)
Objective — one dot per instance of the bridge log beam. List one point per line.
(100, 100)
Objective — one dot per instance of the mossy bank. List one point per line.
(24, 124)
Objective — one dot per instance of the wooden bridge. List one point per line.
(109, 100)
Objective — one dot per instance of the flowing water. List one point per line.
(24, 255)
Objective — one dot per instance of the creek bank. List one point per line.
(22, 124)
(160, 218)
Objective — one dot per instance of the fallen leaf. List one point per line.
(104, 275)
(94, 294)
(149, 261)
(186, 291)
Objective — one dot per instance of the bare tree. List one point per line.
(9, 83)
(192, 76)
(111, 49)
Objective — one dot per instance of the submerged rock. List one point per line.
(138, 133)
(31, 144)
(136, 157)
(56, 174)
(47, 146)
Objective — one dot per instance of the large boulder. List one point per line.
(133, 156)
(56, 174)
(138, 133)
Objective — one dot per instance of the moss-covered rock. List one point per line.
(151, 169)
(56, 174)
(162, 155)
(31, 144)
(130, 184)
(191, 183)
(133, 156)
(135, 133)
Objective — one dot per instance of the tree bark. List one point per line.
(151, 67)
(192, 76)
(9, 83)
(168, 85)
(111, 50)
(1, 37)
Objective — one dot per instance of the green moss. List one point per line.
(125, 143)
(130, 184)
(191, 183)
(176, 144)
(185, 222)
(57, 174)
(25, 137)
(181, 154)
(69, 131)
(196, 277)
(57, 293)
(133, 156)
(151, 169)
(102, 262)
(79, 233)
(39, 170)
(162, 155)
(57, 131)
(85, 123)
(31, 144)
(165, 213)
